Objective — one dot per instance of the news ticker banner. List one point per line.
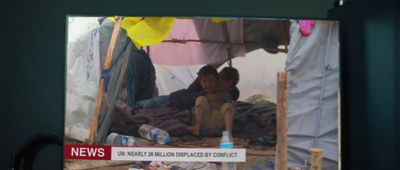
(105, 152)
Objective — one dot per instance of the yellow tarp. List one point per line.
(147, 31)
(219, 20)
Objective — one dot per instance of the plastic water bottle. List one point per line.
(121, 140)
(154, 134)
(227, 143)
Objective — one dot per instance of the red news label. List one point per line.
(87, 152)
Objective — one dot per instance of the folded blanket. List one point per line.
(250, 121)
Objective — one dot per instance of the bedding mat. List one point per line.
(251, 122)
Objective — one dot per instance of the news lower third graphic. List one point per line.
(105, 152)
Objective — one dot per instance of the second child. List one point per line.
(214, 110)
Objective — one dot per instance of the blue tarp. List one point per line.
(313, 97)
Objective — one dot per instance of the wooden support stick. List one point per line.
(228, 41)
(316, 158)
(99, 99)
(245, 44)
(113, 41)
(281, 110)
(95, 116)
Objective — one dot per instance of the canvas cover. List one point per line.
(313, 84)
(131, 69)
(201, 41)
(257, 74)
(83, 75)
(211, 48)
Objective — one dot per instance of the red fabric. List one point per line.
(306, 27)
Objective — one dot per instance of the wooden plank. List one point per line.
(95, 116)
(99, 99)
(113, 42)
(281, 117)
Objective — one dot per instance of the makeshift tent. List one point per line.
(313, 83)
(257, 74)
(312, 66)
(197, 41)
(125, 45)
(201, 41)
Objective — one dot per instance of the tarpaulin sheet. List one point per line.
(313, 83)
(83, 74)
(88, 43)
(191, 53)
(257, 74)
(130, 67)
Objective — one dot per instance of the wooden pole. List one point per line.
(113, 41)
(281, 119)
(228, 41)
(316, 158)
(106, 66)
(246, 44)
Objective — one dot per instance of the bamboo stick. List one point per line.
(113, 42)
(247, 44)
(281, 110)
(99, 99)
(227, 40)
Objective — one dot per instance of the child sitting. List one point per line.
(214, 111)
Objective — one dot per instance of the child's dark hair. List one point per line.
(231, 73)
(207, 70)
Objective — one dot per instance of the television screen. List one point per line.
(201, 93)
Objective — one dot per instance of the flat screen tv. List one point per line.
(201, 93)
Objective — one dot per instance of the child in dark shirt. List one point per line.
(214, 110)
(185, 98)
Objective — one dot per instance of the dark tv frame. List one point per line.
(365, 143)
